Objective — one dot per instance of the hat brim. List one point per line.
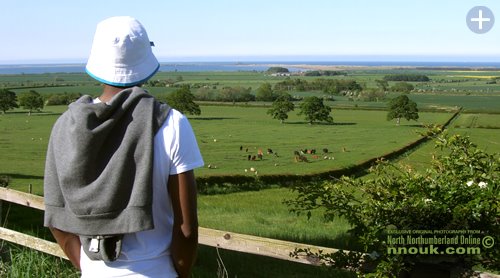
(124, 76)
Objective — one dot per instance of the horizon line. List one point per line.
(283, 58)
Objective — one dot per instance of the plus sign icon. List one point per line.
(480, 19)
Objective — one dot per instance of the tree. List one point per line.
(265, 93)
(371, 94)
(235, 94)
(402, 107)
(383, 85)
(8, 100)
(183, 101)
(402, 87)
(281, 106)
(31, 101)
(277, 70)
(314, 110)
(62, 99)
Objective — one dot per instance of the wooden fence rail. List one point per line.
(220, 239)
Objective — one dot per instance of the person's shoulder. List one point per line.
(176, 115)
(174, 119)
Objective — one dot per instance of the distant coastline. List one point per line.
(263, 66)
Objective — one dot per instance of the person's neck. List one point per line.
(108, 92)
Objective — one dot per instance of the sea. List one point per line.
(243, 66)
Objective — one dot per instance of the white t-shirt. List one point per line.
(146, 253)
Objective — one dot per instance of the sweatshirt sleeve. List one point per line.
(52, 193)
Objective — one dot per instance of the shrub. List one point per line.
(402, 87)
(459, 192)
(62, 99)
(4, 181)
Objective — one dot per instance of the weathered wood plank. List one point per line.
(22, 198)
(279, 249)
(32, 242)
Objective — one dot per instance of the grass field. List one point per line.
(360, 131)
(447, 89)
(483, 130)
(356, 135)
(262, 213)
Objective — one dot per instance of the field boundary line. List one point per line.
(357, 169)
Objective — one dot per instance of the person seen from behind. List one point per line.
(119, 187)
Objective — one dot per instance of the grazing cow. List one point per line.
(254, 157)
(249, 157)
(241, 148)
(325, 150)
(269, 151)
(259, 156)
(300, 158)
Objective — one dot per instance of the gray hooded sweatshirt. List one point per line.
(98, 173)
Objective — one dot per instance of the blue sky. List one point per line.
(232, 30)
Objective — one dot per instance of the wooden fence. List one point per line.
(226, 240)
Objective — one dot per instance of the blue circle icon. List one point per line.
(480, 19)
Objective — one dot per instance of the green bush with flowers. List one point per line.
(460, 192)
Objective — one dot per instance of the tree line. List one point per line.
(325, 73)
(330, 86)
(408, 77)
(31, 101)
(312, 108)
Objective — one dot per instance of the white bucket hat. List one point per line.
(121, 53)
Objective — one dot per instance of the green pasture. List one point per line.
(82, 89)
(355, 136)
(441, 80)
(483, 130)
(8, 80)
(428, 102)
(442, 92)
(475, 120)
(360, 131)
(262, 213)
(23, 144)
(480, 103)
